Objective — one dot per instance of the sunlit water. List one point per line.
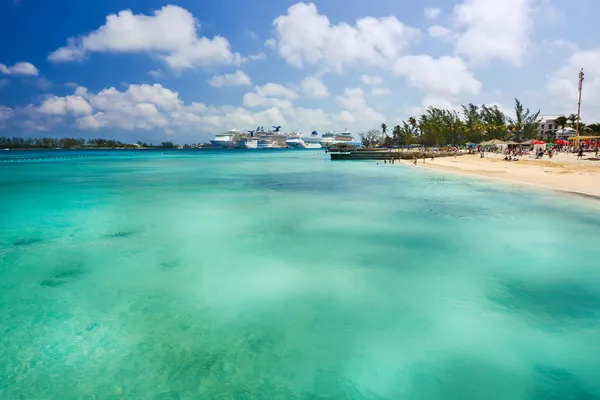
(283, 275)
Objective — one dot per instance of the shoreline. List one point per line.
(563, 174)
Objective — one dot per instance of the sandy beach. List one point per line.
(564, 172)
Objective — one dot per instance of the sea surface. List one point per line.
(283, 275)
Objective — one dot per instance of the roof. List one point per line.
(544, 118)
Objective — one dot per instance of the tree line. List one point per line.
(72, 143)
(474, 124)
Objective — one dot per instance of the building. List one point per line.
(549, 130)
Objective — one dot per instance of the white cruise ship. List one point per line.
(330, 138)
(247, 141)
(296, 141)
(226, 139)
(272, 139)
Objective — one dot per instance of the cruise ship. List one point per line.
(331, 138)
(272, 139)
(296, 141)
(226, 139)
(247, 141)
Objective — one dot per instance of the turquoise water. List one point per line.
(283, 275)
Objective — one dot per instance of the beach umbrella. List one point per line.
(538, 142)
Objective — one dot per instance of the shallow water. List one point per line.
(282, 275)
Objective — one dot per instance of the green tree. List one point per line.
(561, 121)
(370, 138)
(595, 128)
(398, 136)
(525, 123)
(384, 129)
(494, 123)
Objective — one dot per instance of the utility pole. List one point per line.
(579, 103)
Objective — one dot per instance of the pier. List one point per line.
(384, 154)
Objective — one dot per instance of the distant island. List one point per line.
(78, 143)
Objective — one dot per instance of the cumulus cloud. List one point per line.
(171, 33)
(154, 107)
(21, 68)
(75, 105)
(155, 74)
(493, 30)
(357, 111)
(276, 90)
(381, 92)
(444, 75)
(371, 79)
(440, 32)
(432, 13)
(254, 100)
(305, 37)
(239, 78)
(5, 114)
(314, 87)
(562, 85)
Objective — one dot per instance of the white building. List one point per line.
(550, 130)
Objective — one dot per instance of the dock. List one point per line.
(384, 154)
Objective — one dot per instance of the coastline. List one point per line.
(562, 174)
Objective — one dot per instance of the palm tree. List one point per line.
(572, 119)
(384, 129)
(561, 121)
(594, 127)
(397, 135)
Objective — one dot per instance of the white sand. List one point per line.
(564, 172)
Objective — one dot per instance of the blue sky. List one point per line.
(184, 70)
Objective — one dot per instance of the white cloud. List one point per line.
(75, 105)
(255, 100)
(304, 37)
(155, 74)
(21, 68)
(314, 87)
(5, 114)
(276, 90)
(154, 107)
(356, 111)
(562, 85)
(381, 91)
(237, 79)
(30, 119)
(432, 13)
(494, 30)
(440, 32)
(371, 79)
(90, 122)
(271, 43)
(170, 33)
(444, 75)
(561, 43)
(255, 57)
(139, 107)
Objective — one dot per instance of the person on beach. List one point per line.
(580, 154)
